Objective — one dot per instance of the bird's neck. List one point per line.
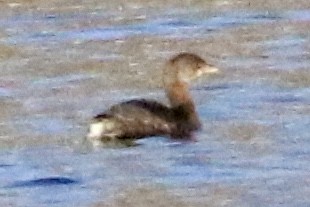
(178, 94)
(182, 102)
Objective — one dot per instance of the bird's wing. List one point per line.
(140, 118)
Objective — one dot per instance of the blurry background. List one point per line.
(61, 62)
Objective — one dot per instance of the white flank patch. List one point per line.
(95, 130)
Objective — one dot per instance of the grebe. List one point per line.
(136, 119)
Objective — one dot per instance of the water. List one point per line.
(174, 26)
(253, 150)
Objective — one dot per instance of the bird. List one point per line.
(135, 119)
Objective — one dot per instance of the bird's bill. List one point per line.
(208, 70)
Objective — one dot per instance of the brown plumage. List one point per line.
(141, 118)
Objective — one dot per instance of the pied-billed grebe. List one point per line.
(141, 118)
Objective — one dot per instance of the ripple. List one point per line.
(5, 92)
(300, 15)
(44, 125)
(49, 181)
(5, 165)
(176, 26)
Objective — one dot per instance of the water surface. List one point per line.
(67, 66)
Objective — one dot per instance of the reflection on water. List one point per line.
(255, 137)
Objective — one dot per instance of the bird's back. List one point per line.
(135, 119)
